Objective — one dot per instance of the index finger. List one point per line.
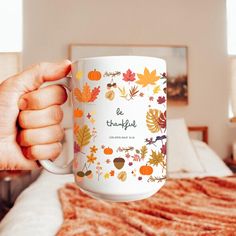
(32, 78)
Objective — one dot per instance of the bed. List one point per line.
(38, 211)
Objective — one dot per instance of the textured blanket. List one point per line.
(203, 207)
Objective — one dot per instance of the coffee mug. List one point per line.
(119, 110)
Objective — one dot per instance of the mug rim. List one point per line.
(115, 57)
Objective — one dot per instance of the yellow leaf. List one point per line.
(152, 120)
(157, 159)
(143, 151)
(147, 78)
(79, 75)
(107, 175)
(86, 94)
(156, 89)
(92, 120)
(83, 136)
(122, 92)
(78, 94)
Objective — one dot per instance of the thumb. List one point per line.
(32, 78)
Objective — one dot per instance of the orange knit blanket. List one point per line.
(203, 207)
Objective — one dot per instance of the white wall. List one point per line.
(50, 25)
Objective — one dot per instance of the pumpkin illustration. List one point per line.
(94, 75)
(108, 151)
(146, 170)
(78, 113)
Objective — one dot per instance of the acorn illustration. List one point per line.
(119, 162)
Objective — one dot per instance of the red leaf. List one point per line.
(162, 120)
(94, 94)
(161, 100)
(163, 149)
(76, 148)
(128, 76)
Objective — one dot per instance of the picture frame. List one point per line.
(176, 58)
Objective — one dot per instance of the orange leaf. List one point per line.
(94, 94)
(147, 78)
(86, 94)
(76, 129)
(78, 94)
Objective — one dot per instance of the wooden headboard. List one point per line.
(202, 129)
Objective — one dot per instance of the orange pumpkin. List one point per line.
(146, 170)
(108, 151)
(94, 75)
(78, 113)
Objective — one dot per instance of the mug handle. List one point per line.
(47, 164)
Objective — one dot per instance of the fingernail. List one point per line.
(22, 104)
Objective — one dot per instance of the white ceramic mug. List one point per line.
(119, 107)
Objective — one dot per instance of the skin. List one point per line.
(30, 116)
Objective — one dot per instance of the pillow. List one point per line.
(181, 155)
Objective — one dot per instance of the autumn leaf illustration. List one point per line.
(147, 78)
(107, 175)
(156, 89)
(76, 129)
(86, 95)
(79, 75)
(94, 94)
(122, 92)
(143, 151)
(128, 76)
(76, 148)
(83, 136)
(162, 120)
(152, 120)
(157, 179)
(133, 91)
(78, 94)
(163, 149)
(157, 159)
(161, 100)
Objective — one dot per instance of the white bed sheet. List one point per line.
(209, 160)
(37, 211)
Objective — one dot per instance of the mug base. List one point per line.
(120, 198)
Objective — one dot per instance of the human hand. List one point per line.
(30, 116)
